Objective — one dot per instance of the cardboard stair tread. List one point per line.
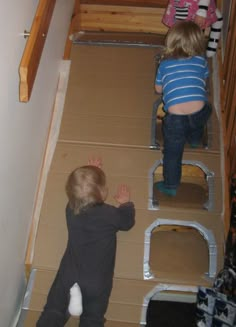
(127, 302)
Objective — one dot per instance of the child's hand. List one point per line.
(201, 21)
(97, 162)
(123, 194)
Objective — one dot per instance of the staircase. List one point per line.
(176, 244)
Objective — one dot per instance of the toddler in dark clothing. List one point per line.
(89, 258)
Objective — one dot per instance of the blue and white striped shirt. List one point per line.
(183, 80)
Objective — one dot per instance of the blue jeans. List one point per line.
(177, 130)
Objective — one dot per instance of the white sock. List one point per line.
(75, 307)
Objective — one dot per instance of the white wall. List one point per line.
(23, 133)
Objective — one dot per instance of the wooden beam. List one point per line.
(34, 47)
(119, 19)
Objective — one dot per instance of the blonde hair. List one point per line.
(184, 39)
(86, 186)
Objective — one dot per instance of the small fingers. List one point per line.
(97, 162)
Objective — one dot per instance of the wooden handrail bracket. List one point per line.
(34, 47)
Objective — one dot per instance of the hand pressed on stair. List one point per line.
(123, 194)
(95, 161)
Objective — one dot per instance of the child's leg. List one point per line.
(94, 309)
(197, 123)
(51, 319)
(174, 133)
(55, 312)
(214, 35)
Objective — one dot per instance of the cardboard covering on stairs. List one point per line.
(108, 114)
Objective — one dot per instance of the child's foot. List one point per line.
(168, 191)
(75, 306)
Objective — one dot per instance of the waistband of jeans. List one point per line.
(206, 106)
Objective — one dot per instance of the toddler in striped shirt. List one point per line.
(181, 79)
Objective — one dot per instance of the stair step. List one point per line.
(115, 112)
(190, 196)
(119, 161)
(30, 317)
(188, 250)
(127, 306)
(137, 167)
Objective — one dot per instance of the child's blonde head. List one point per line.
(86, 186)
(185, 39)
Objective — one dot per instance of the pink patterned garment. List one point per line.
(186, 10)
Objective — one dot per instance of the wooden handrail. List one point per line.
(34, 47)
